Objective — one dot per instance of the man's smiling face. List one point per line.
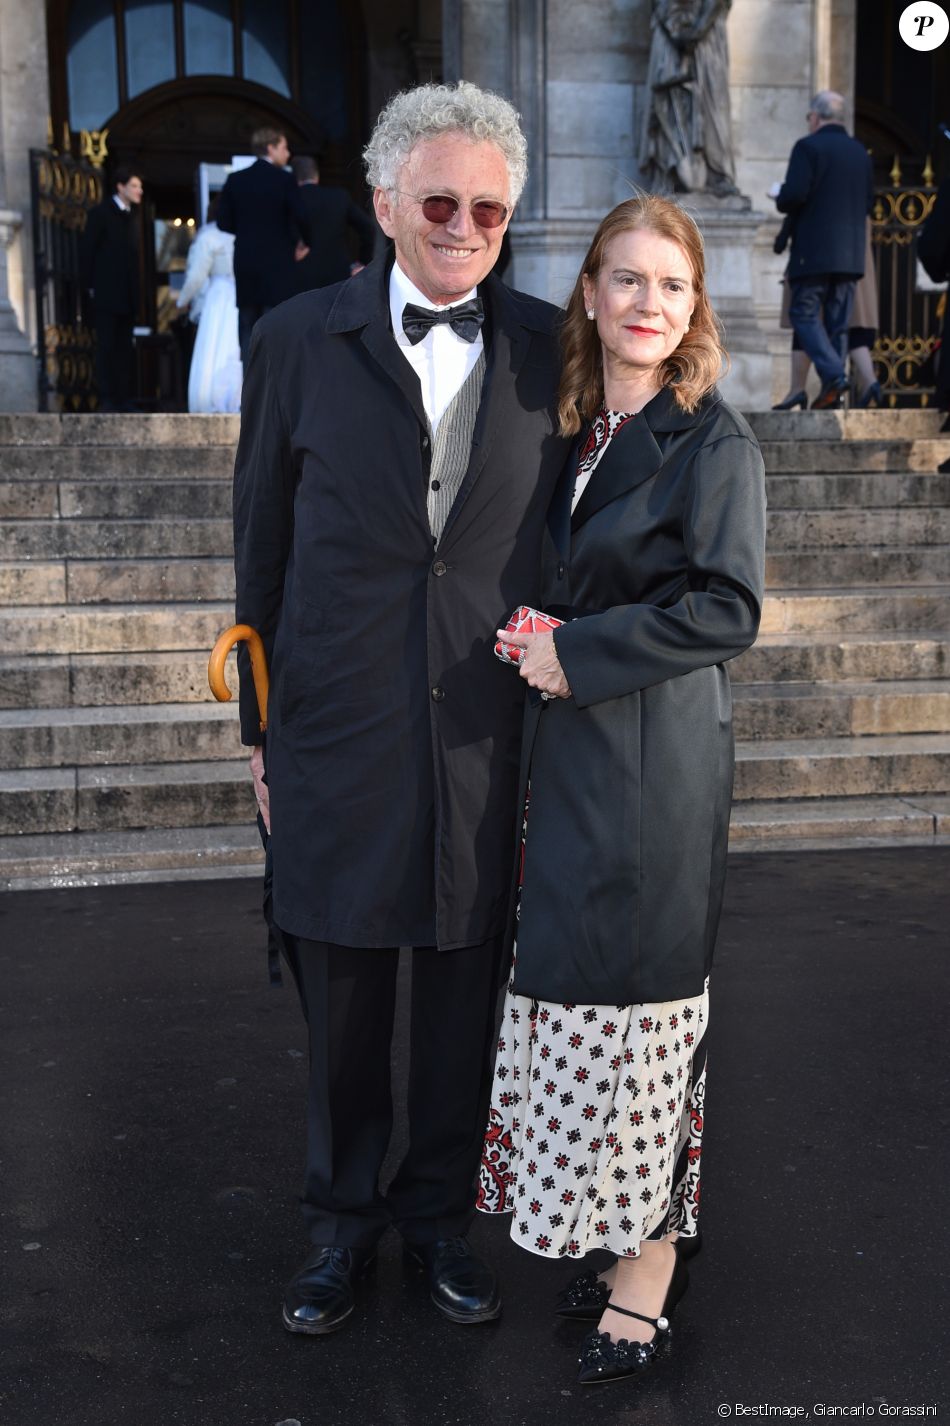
(445, 260)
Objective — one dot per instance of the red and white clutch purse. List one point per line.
(524, 620)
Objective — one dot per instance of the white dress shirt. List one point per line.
(442, 360)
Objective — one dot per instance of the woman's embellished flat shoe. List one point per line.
(584, 1297)
(603, 1359)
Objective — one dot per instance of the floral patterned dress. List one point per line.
(595, 1128)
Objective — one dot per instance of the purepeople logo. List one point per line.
(924, 26)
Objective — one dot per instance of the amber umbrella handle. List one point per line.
(240, 634)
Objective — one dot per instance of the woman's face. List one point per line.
(643, 299)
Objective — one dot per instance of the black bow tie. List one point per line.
(465, 319)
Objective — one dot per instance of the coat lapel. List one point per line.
(631, 458)
(363, 305)
(634, 453)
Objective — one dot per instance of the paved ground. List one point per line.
(151, 1097)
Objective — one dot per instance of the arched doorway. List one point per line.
(173, 128)
(178, 81)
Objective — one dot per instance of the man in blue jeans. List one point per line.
(828, 191)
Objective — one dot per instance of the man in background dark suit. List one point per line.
(109, 270)
(330, 212)
(261, 206)
(829, 190)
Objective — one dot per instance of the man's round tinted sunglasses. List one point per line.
(441, 208)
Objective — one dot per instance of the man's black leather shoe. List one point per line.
(320, 1296)
(462, 1287)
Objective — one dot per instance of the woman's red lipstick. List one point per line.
(645, 331)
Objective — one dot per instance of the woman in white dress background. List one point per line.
(214, 381)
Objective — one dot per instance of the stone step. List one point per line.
(104, 858)
(150, 580)
(131, 499)
(198, 732)
(202, 794)
(37, 681)
(103, 799)
(839, 457)
(831, 822)
(829, 529)
(187, 532)
(162, 429)
(816, 657)
(33, 582)
(97, 680)
(113, 539)
(844, 568)
(34, 861)
(857, 490)
(134, 581)
(64, 629)
(843, 767)
(898, 424)
(78, 463)
(111, 736)
(856, 611)
(200, 493)
(116, 581)
(827, 710)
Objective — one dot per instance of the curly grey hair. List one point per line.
(434, 109)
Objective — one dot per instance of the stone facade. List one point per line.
(23, 110)
(577, 73)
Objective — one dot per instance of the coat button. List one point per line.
(439, 567)
(438, 693)
(437, 485)
(425, 443)
(560, 570)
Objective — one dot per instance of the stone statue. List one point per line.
(686, 146)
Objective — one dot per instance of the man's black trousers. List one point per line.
(114, 359)
(248, 317)
(349, 1000)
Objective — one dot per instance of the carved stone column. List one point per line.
(18, 378)
(24, 104)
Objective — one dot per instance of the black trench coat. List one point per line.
(631, 778)
(394, 733)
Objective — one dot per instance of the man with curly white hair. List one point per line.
(397, 458)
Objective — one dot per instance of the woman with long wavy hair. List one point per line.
(656, 566)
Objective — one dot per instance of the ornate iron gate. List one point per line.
(908, 319)
(64, 189)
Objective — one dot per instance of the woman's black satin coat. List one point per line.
(631, 778)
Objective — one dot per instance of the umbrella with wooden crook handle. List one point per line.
(240, 634)
(244, 634)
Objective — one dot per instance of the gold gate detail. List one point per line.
(909, 320)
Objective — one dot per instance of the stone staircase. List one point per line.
(115, 579)
(842, 708)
